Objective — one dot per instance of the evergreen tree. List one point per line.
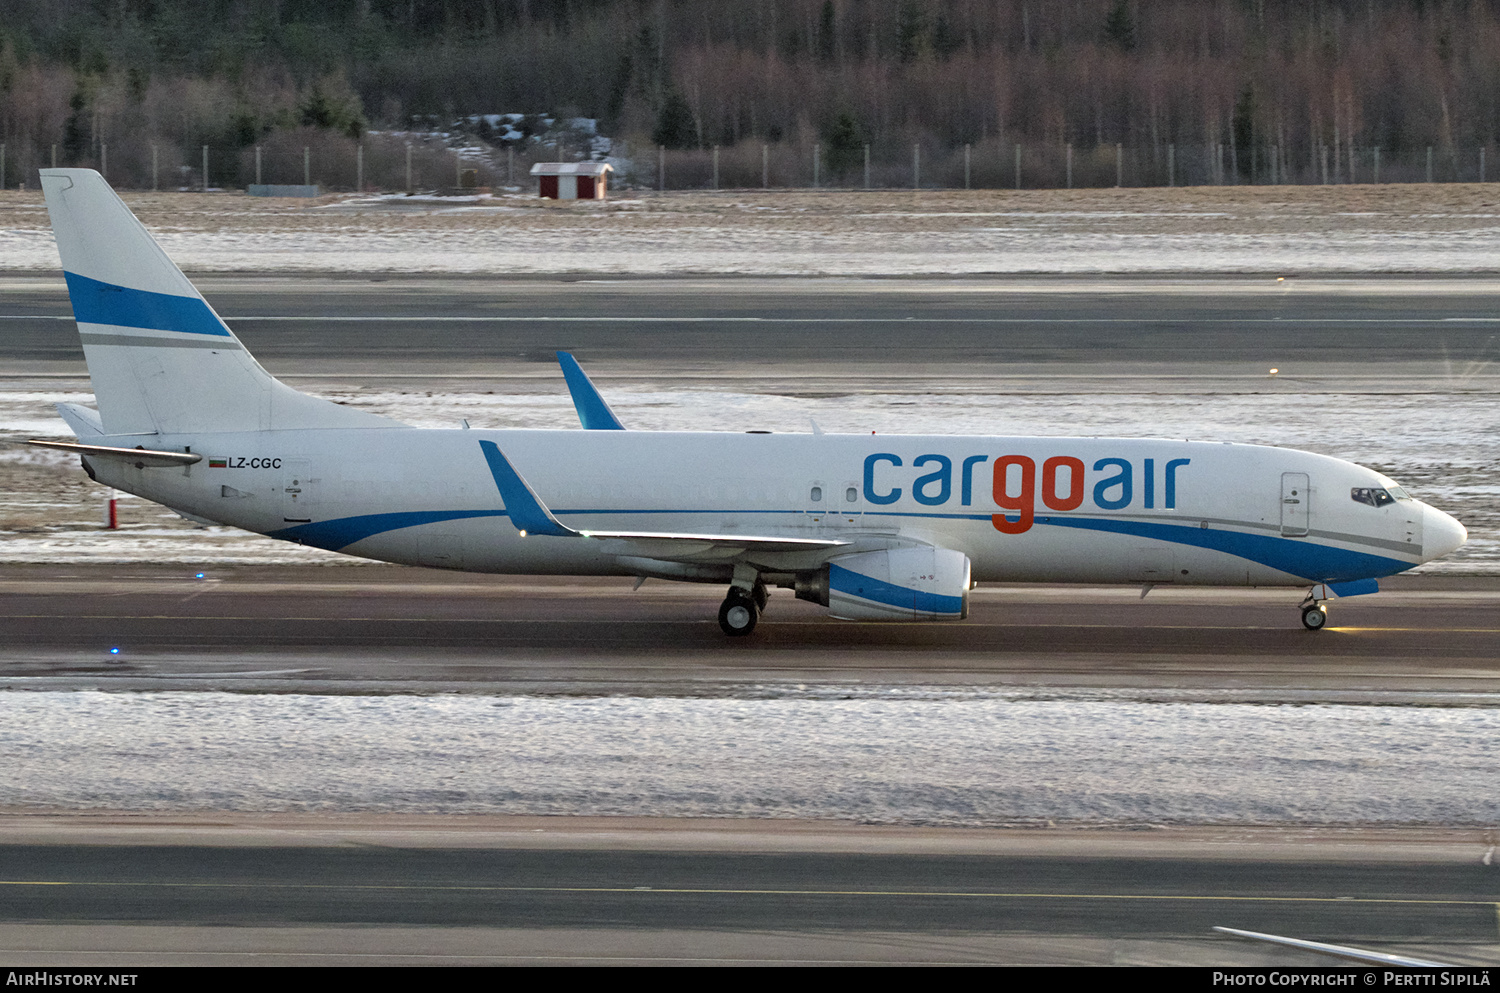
(826, 32)
(675, 126)
(846, 146)
(911, 31)
(1119, 26)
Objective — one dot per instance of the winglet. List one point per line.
(593, 412)
(527, 513)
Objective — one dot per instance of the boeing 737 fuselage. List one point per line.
(874, 527)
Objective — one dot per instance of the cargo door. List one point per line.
(1296, 504)
(299, 491)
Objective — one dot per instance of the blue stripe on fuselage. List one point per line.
(96, 302)
(1297, 556)
(344, 531)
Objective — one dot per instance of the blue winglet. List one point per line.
(593, 412)
(526, 512)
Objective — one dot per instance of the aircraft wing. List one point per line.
(1340, 951)
(531, 516)
(593, 412)
(141, 457)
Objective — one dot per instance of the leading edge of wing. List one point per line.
(531, 516)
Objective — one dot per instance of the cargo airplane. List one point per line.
(889, 528)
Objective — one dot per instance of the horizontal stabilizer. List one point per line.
(141, 457)
(531, 516)
(593, 412)
(84, 422)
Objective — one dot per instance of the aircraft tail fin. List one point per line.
(161, 360)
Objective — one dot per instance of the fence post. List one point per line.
(1070, 165)
(661, 168)
(966, 167)
(1377, 165)
(2, 165)
(765, 166)
(1323, 156)
(257, 165)
(817, 154)
(1172, 164)
(54, 155)
(458, 170)
(510, 166)
(306, 166)
(153, 169)
(1273, 165)
(1429, 163)
(359, 168)
(205, 168)
(1018, 165)
(408, 167)
(716, 167)
(1119, 164)
(916, 167)
(867, 167)
(104, 160)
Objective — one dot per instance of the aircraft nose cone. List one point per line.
(1441, 534)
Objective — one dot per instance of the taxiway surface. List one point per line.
(749, 328)
(238, 889)
(394, 629)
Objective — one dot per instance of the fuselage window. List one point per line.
(851, 495)
(817, 494)
(1372, 495)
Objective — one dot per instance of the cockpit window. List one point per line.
(1375, 496)
(1398, 493)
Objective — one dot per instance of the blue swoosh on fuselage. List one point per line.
(1294, 556)
(1299, 557)
(344, 531)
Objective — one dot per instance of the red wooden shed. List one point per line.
(572, 180)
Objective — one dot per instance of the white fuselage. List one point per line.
(1141, 511)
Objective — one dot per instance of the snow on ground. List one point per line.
(874, 755)
(1411, 228)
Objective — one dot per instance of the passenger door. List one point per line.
(1296, 504)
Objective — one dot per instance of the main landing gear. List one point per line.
(742, 608)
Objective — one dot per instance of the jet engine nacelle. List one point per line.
(900, 584)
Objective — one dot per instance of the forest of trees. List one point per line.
(1228, 90)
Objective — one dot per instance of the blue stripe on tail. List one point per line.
(96, 302)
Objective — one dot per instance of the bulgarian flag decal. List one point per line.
(214, 463)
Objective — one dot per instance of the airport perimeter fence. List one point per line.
(397, 162)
